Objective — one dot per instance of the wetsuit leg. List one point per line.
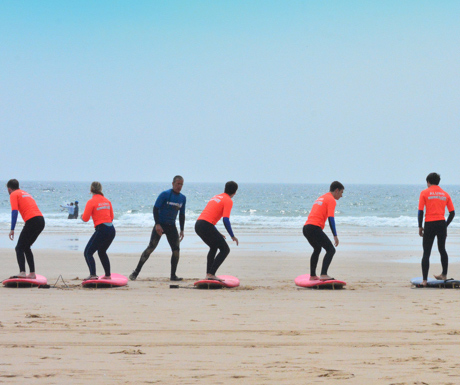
(29, 234)
(173, 239)
(90, 249)
(108, 233)
(154, 239)
(330, 251)
(211, 236)
(441, 235)
(309, 233)
(429, 234)
(318, 240)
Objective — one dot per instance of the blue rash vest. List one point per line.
(169, 204)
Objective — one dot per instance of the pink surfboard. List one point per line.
(25, 282)
(116, 280)
(229, 281)
(304, 281)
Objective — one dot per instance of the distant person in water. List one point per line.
(323, 209)
(75, 211)
(23, 203)
(435, 201)
(168, 204)
(219, 206)
(71, 209)
(100, 209)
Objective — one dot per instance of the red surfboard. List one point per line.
(25, 282)
(304, 281)
(228, 281)
(116, 280)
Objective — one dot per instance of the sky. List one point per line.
(251, 91)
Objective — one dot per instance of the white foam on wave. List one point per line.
(59, 221)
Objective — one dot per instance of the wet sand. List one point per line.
(268, 331)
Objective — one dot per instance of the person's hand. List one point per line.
(181, 236)
(11, 234)
(420, 231)
(235, 239)
(336, 240)
(159, 230)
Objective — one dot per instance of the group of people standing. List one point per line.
(433, 203)
(72, 209)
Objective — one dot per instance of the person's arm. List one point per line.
(87, 213)
(421, 207)
(156, 211)
(14, 214)
(182, 220)
(420, 219)
(332, 226)
(111, 212)
(334, 230)
(228, 227)
(450, 217)
(156, 215)
(14, 218)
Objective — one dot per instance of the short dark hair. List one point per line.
(433, 178)
(231, 187)
(336, 185)
(13, 184)
(177, 177)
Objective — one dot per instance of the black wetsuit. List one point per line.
(216, 241)
(318, 240)
(29, 234)
(434, 229)
(100, 242)
(165, 210)
(173, 239)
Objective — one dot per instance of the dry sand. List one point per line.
(377, 331)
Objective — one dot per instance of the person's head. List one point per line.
(12, 185)
(96, 188)
(231, 188)
(433, 178)
(336, 190)
(177, 184)
(71, 203)
(76, 203)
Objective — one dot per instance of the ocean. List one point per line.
(256, 207)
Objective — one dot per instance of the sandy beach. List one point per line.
(268, 331)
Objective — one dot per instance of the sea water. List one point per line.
(258, 207)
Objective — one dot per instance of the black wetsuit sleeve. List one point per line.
(420, 218)
(181, 221)
(450, 217)
(156, 215)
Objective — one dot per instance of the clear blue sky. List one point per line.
(254, 91)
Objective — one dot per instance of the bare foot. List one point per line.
(213, 278)
(22, 274)
(31, 276)
(424, 283)
(325, 278)
(314, 278)
(106, 277)
(441, 277)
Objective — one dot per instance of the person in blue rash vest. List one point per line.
(167, 205)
